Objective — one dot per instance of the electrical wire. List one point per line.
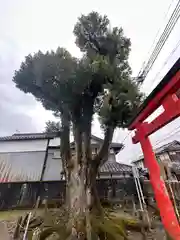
(167, 136)
(162, 40)
(156, 52)
(166, 61)
(165, 34)
(164, 64)
(155, 38)
(125, 137)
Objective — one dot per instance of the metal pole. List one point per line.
(137, 189)
(142, 196)
(27, 225)
(139, 184)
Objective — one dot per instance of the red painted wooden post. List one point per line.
(164, 95)
(164, 204)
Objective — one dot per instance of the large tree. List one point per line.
(100, 82)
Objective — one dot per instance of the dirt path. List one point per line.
(4, 233)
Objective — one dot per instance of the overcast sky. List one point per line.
(27, 26)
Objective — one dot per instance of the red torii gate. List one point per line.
(165, 94)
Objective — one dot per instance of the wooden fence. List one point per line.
(25, 194)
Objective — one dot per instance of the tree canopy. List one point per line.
(98, 82)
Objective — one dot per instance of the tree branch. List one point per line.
(65, 141)
(103, 152)
(78, 142)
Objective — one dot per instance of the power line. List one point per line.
(155, 38)
(166, 61)
(160, 44)
(164, 64)
(125, 137)
(164, 36)
(162, 40)
(167, 136)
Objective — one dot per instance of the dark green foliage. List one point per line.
(52, 126)
(99, 81)
(57, 222)
(105, 228)
(47, 77)
(109, 50)
(47, 232)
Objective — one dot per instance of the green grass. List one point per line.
(14, 214)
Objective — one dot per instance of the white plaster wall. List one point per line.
(53, 166)
(112, 157)
(55, 142)
(23, 145)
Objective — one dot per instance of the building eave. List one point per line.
(29, 136)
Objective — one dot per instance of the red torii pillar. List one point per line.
(165, 96)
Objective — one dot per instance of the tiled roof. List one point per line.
(35, 136)
(171, 146)
(24, 136)
(114, 167)
(28, 136)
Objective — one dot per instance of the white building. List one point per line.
(36, 157)
(166, 155)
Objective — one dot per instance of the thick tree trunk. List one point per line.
(82, 193)
(81, 201)
(65, 149)
(76, 186)
(81, 183)
(84, 200)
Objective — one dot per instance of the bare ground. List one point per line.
(8, 222)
